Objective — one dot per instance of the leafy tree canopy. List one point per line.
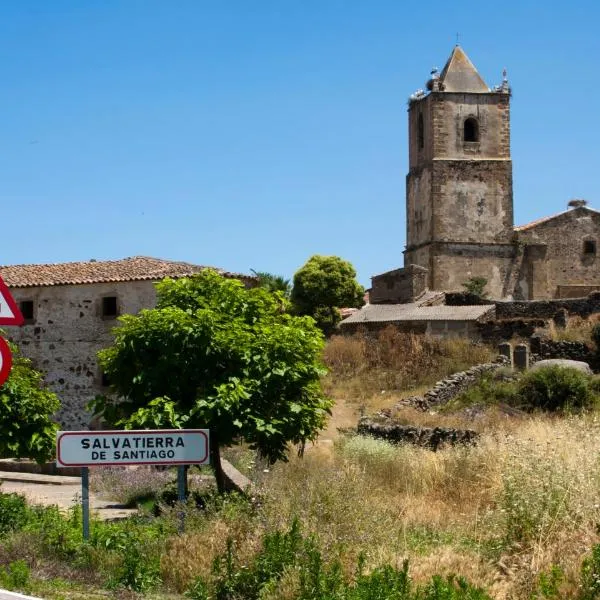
(324, 284)
(26, 409)
(216, 355)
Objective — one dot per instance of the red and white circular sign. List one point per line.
(5, 361)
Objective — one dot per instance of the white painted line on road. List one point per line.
(6, 595)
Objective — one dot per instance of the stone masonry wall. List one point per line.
(398, 286)
(67, 332)
(531, 309)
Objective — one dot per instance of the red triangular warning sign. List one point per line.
(9, 311)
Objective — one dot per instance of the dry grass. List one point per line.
(499, 513)
(373, 371)
(578, 329)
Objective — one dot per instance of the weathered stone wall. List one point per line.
(374, 327)
(533, 309)
(433, 438)
(493, 332)
(560, 265)
(472, 201)
(459, 193)
(398, 286)
(546, 309)
(67, 332)
(544, 348)
(455, 263)
(447, 389)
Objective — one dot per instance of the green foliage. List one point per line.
(16, 576)
(590, 576)
(556, 388)
(13, 513)
(324, 284)
(452, 588)
(215, 354)
(552, 388)
(548, 586)
(26, 408)
(491, 389)
(273, 283)
(283, 552)
(476, 286)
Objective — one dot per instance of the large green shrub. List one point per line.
(556, 388)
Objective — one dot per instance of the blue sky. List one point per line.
(253, 134)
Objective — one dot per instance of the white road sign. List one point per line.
(135, 447)
(9, 311)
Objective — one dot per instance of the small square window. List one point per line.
(26, 308)
(109, 307)
(589, 247)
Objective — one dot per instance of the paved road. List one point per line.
(4, 595)
(60, 490)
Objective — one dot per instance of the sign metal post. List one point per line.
(181, 447)
(85, 501)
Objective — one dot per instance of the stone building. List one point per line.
(459, 203)
(70, 310)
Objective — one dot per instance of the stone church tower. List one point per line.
(459, 201)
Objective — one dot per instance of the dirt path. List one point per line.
(343, 415)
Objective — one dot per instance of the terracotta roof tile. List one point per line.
(136, 268)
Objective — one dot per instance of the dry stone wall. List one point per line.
(447, 389)
(432, 438)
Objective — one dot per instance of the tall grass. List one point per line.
(500, 513)
(363, 365)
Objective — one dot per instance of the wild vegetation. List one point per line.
(513, 517)
(26, 409)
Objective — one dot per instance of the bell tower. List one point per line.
(459, 201)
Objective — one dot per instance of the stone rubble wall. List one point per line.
(530, 309)
(543, 348)
(447, 389)
(432, 438)
(493, 332)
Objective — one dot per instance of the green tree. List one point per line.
(216, 355)
(26, 409)
(322, 286)
(476, 286)
(273, 283)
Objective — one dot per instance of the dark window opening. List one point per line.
(26, 308)
(104, 380)
(471, 132)
(109, 306)
(589, 247)
(421, 132)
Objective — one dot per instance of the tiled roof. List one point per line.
(136, 268)
(383, 313)
(533, 224)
